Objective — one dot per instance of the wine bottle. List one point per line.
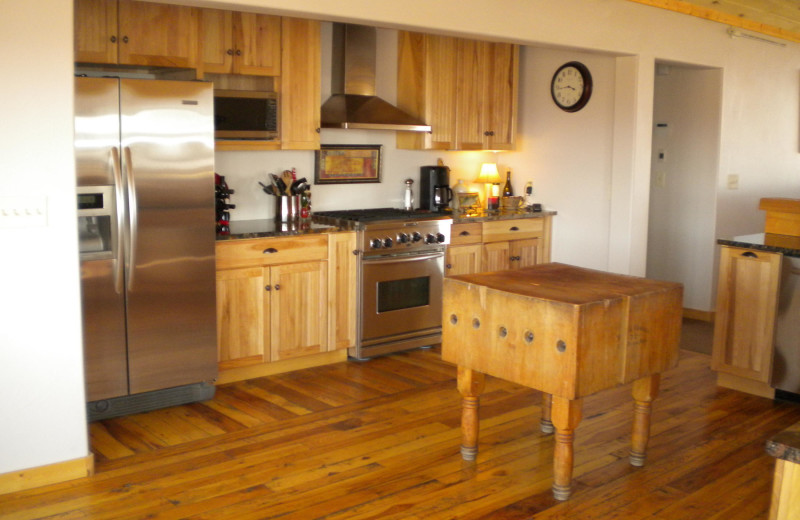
(508, 191)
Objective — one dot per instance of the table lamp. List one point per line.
(489, 176)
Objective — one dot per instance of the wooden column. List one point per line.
(644, 391)
(470, 385)
(566, 416)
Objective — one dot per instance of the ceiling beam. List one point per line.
(724, 18)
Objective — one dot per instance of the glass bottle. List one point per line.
(508, 191)
(408, 198)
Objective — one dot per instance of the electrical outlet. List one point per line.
(661, 179)
(733, 182)
(23, 212)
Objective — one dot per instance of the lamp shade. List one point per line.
(488, 174)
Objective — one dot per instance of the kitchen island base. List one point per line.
(568, 332)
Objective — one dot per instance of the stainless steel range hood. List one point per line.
(354, 103)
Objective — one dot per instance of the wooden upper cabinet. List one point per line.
(426, 88)
(300, 84)
(240, 43)
(96, 31)
(129, 32)
(501, 94)
(465, 89)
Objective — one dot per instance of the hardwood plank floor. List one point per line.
(380, 440)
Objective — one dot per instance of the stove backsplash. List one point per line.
(244, 170)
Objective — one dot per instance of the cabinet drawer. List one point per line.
(270, 251)
(501, 230)
(465, 234)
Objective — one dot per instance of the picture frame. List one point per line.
(469, 202)
(348, 163)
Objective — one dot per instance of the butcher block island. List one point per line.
(568, 332)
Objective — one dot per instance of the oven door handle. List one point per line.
(402, 259)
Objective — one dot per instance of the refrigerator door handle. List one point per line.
(120, 215)
(133, 219)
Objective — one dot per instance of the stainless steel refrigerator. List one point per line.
(145, 171)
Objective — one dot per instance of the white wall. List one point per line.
(41, 374)
(39, 334)
(681, 245)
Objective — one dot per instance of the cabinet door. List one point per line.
(470, 78)
(463, 260)
(298, 312)
(342, 274)
(242, 306)
(747, 297)
(300, 84)
(525, 253)
(258, 44)
(96, 31)
(502, 79)
(216, 40)
(426, 88)
(158, 35)
(496, 256)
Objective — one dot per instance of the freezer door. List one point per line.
(97, 142)
(168, 164)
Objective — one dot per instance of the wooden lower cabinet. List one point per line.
(242, 329)
(747, 298)
(298, 323)
(463, 259)
(498, 245)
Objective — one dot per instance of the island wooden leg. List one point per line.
(545, 424)
(470, 385)
(644, 391)
(566, 415)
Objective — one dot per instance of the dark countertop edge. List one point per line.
(786, 445)
(752, 242)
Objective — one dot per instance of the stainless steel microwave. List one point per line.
(245, 114)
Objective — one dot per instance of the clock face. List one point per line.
(571, 87)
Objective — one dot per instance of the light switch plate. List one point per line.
(733, 182)
(23, 211)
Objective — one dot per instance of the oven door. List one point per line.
(402, 297)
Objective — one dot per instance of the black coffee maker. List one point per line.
(434, 188)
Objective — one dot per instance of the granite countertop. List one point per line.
(770, 242)
(264, 228)
(786, 444)
(487, 216)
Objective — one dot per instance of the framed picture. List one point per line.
(345, 163)
(469, 202)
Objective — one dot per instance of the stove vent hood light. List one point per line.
(354, 103)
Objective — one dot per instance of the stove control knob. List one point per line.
(403, 238)
(430, 238)
(375, 243)
(440, 238)
(388, 242)
(416, 237)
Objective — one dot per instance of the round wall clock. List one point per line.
(571, 87)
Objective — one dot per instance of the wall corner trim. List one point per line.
(30, 478)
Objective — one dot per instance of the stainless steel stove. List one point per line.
(400, 276)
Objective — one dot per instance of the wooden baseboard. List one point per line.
(745, 385)
(44, 475)
(694, 314)
(279, 367)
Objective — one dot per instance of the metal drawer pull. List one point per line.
(464, 234)
(270, 250)
(514, 228)
(750, 254)
(277, 287)
(267, 288)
